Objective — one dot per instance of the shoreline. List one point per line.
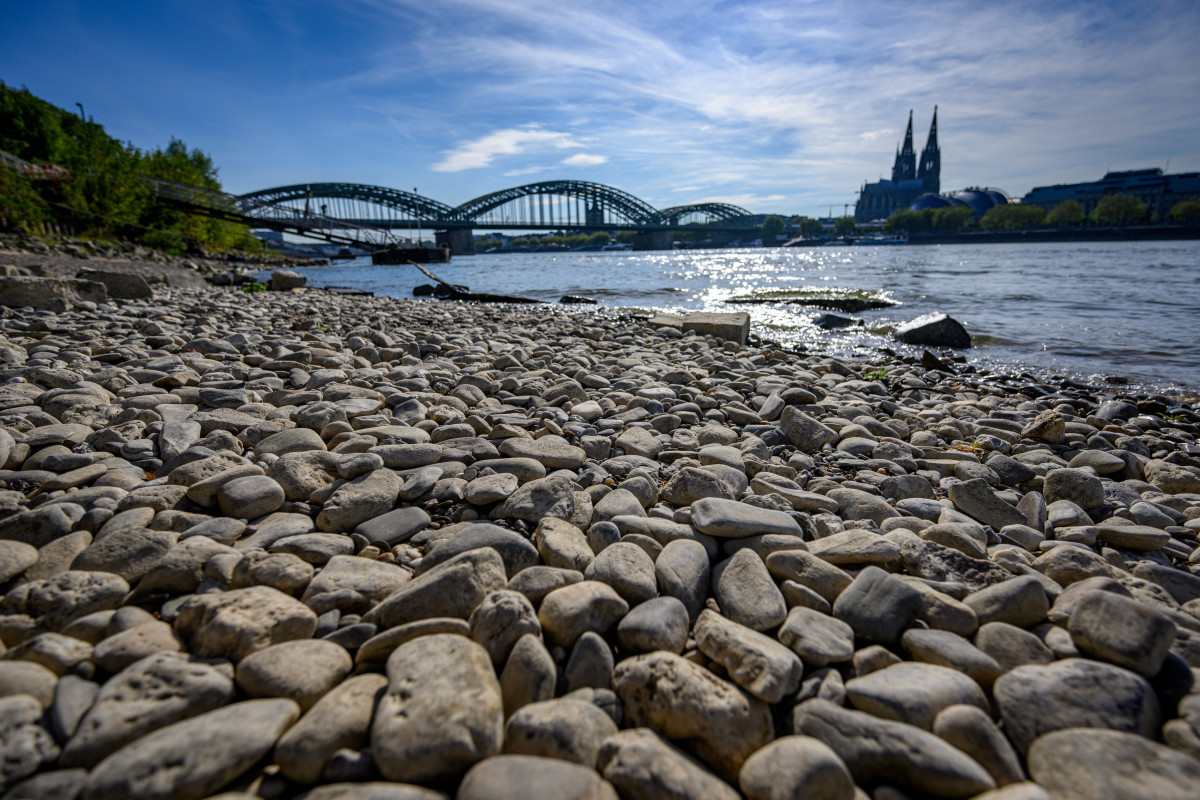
(458, 550)
(1108, 380)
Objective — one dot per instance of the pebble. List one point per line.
(205, 753)
(686, 703)
(794, 766)
(304, 670)
(442, 711)
(883, 751)
(642, 766)
(1074, 693)
(570, 730)
(521, 504)
(758, 663)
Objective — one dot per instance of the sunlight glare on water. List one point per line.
(1091, 309)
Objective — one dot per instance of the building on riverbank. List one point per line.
(1158, 191)
(910, 178)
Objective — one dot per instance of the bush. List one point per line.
(1012, 216)
(1185, 211)
(1119, 209)
(1068, 212)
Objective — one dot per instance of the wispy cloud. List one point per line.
(584, 160)
(786, 107)
(483, 151)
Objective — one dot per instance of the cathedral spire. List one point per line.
(906, 160)
(930, 168)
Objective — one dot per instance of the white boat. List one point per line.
(884, 238)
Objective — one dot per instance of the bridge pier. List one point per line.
(460, 240)
(654, 240)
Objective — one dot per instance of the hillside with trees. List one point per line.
(102, 195)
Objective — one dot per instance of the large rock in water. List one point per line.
(934, 330)
(285, 279)
(41, 292)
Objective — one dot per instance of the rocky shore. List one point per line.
(292, 544)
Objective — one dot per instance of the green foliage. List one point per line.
(772, 226)
(1119, 209)
(954, 218)
(843, 226)
(1068, 212)
(104, 195)
(599, 238)
(1012, 216)
(879, 374)
(809, 227)
(20, 205)
(1185, 211)
(625, 237)
(254, 288)
(908, 221)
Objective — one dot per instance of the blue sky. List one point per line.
(775, 106)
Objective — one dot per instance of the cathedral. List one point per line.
(910, 179)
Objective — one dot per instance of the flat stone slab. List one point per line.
(734, 327)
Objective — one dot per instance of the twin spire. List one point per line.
(929, 170)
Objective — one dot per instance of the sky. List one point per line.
(778, 107)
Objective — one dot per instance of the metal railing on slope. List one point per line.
(36, 172)
(221, 205)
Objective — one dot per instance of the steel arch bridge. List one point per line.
(557, 203)
(348, 201)
(562, 204)
(700, 212)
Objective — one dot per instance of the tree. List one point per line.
(1011, 216)
(908, 221)
(625, 237)
(601, 238)
(1119, 209)
(20, 204)
(844, 225)
(954, 218)
(772, 226)
(1185, 211)
(105, 195)
(1068, 212)
(809, 227)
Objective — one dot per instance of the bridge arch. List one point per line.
(708, 213)
(347, 197)
(564, 202)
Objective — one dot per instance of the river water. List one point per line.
(1129, 310)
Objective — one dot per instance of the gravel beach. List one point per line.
(297, 544)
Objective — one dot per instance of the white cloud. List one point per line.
(483, 151)
(516, 173)
(584, 160)
(805, 101)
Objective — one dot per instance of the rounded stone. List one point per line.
(657, 624)
(302, 670)
(796, 766)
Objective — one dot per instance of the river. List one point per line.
(1124, 310)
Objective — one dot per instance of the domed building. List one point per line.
(978, 199)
